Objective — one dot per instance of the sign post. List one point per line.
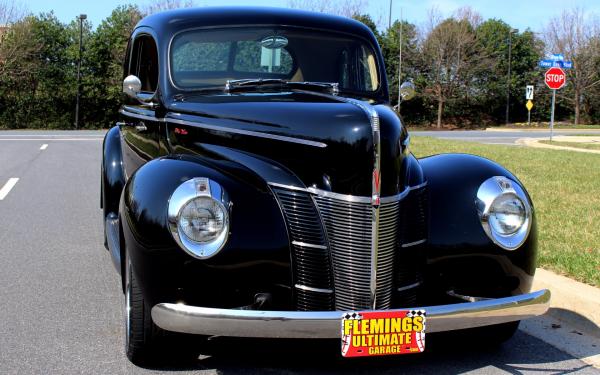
(555, 79)
(529, 105)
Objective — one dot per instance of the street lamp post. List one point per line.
(510, 33)
(80, 18)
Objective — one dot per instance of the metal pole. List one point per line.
(552, 114)
(390, 16)
(529, 118)
(400, 63)
(81, 18)
(509, 74)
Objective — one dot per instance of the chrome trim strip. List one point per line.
(304, 244)
(350, 198)
(248, 132)
(326, 324)
(414, 243)
(375, 199)
(311, 289)
(407, 287)
(226, 129)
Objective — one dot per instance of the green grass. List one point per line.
(565, 188)
(587, 146)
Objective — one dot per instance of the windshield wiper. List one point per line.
(234, 85)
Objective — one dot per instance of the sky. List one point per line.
(521, 14)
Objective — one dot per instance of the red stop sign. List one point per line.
(555, 78)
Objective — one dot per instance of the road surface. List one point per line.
(498, 137)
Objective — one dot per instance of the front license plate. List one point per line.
(371, 333)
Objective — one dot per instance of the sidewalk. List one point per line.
(573, 322)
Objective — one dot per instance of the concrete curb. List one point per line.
(512, 130)
(575, 303)
(534, 142)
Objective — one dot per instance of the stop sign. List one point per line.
(555, 78)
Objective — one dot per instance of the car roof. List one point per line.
(172, 21)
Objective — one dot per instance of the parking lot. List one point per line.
(61, 299)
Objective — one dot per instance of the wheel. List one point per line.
(142, 336)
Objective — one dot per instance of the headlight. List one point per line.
(505, 212)
(199, 217)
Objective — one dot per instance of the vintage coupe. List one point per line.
(260, 185)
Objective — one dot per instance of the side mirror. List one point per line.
(407, 91)
(132, 86)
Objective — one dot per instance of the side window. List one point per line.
(367, 69)
(144, 62)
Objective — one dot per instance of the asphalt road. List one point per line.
(61, 301)
(498, 137)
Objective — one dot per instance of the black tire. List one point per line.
(142, 336)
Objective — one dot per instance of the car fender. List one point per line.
(459, 251)
(258, 235)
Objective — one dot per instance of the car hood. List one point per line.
(324, 140)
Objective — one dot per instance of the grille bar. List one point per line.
(310, 256)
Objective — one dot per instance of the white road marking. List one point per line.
(8, 187)
(44, 146)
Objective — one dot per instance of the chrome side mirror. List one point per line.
(407, 91)
(132, 86)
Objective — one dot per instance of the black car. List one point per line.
(260, 185)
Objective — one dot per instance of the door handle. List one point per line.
(139, 127)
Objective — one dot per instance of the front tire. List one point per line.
(141, 334)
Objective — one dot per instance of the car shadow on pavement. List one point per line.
(445, 354)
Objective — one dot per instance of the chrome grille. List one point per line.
(348, 227)
(313, 285)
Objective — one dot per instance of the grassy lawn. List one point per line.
(565, 188)
(588, 146)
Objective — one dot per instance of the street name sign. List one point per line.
(556, 64)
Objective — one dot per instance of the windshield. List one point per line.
(203, 59)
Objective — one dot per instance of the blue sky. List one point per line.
(519, 13)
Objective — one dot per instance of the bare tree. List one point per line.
(449, 56)
(576, 35)
(346, 8)
(10, 12)
(156, 6)
(17, 46)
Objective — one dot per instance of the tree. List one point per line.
(450, 58)
(162, 5)
(104, 61)
(345, 8)
(576, 35)
(493, 41)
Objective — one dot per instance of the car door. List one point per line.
(139, 125)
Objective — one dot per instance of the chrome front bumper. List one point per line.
(327, 324)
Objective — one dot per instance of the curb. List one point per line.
(577, 304)
(512, 130)
(534, 142)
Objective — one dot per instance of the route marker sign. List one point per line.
(529, 92)
(555, 78)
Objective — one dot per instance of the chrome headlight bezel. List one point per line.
(198, 187)
(489, 191)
